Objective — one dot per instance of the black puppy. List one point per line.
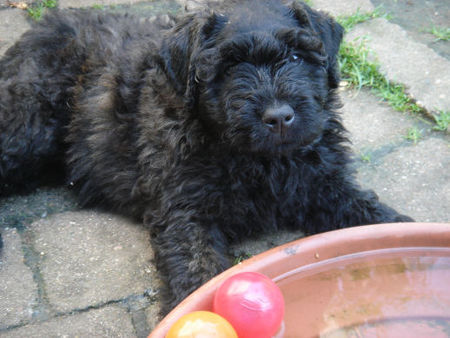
(212, 128)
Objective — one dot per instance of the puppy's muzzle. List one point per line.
(279, 119)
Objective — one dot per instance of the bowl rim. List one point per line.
(313, 249)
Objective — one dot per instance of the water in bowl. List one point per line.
(402, 292)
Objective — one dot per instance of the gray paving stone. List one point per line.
(90, 3)
(192, 5)
(90, 258)
(18, 292)
(425, 73)
(370, 122)
(110, 321)
(335, 8)
(152, 314)
(347, 7)
(13, 24)
(414, 179)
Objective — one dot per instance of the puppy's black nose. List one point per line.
(278, 119)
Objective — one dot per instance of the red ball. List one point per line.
(252, 303)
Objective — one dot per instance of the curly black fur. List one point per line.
(179, 125)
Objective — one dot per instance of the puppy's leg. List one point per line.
(187, 255)
(373, 211)
(346, 205)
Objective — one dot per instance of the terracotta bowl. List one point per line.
(388, 280)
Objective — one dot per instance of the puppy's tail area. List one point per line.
(37, 80)
(31, 135)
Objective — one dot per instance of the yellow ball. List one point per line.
(201, 324)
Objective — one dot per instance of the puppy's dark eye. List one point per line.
(295, 58)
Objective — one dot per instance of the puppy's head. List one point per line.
(259, 75)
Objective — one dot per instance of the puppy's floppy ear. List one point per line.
(185, 49)
(330, 32)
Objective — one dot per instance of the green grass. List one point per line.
(359, 71)
(241, 258)
(350, 21)
(414, 135)
(97, 6)
(442, 120)
(441, 33)
(366, 157)
(37, 10)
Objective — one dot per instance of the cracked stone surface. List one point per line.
(110, 259)
(414, 180)
(347, 7)
(110, 321)
(18, 291)
(90, 3)
(371, 123)
(13, 24)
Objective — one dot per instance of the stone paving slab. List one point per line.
(90, 3)
(110, 321)
(403, 60)
(89, 258)
(372, 123)
(18, 291)
(406, 176)
(13, 23)
(414, 179)
(152, 316)
(347, 7)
